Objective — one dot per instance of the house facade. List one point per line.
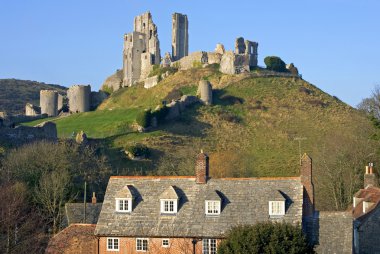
(181, 214)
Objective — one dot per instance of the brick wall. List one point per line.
(177, 246)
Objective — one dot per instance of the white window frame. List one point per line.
(215, 209)
(142, 244)
(165, 245)
(279, 205)
(168, 211)
(209, 246)
(129, 205)
(113, 248)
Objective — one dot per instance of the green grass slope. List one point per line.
(16, 93)
(252, 129)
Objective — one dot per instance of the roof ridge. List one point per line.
(193, 177)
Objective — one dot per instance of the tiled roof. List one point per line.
(74, 213)
(369, 194)
(244, 201)
(77, 238)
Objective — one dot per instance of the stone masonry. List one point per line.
(141, 50)
(79, 98)
(180, 36)
(49, 102)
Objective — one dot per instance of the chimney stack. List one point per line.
(370, 178)
(93, 198)
(201, 168)
(308, 186)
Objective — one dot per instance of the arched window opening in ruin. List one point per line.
(143, 25)
(150, 34)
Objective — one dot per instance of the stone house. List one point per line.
(186, 214)
(366, 215)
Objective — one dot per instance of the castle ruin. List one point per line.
(180, 36)
(49, 102)
(141, 50)
(79, 98)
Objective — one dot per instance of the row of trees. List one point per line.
(36, 180)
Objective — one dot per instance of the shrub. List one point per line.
(158, 70)
(138, 150)
(197, 64)
(265, 237)
(175, 94)
(143, 118)
(275, 63)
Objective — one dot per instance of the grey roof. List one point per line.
(74, 213)
(244, 201)
(125, 192)
(169, 193)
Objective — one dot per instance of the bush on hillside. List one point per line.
(138, 150)
(160, 114)
(275, 63)
(143, 118)
(265, 237)
(158, 70)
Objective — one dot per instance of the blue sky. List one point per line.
(334, 43)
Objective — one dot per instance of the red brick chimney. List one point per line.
(93, 198)
(370, 178)
(308, 186)
(201, 168)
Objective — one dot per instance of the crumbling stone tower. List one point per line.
(49, 102)
(141, 50)
(79, 98)
(180, 36)
(247, 48)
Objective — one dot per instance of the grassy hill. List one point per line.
(16, 93)
(258, 126)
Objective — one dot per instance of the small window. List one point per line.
(165, 243)
(209, 246)
(212, 207)
(141, 244)
(168, 206)
(276, 208)
(113, 244)
(124, 205)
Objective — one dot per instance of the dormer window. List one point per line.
(124, 205)
(168, 206)
(212, 207)
(169, 201)
(277, 204)
(276, 208)
(124, 200)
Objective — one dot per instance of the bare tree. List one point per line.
(371, 105)
(51, 193)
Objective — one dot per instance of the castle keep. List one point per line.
(141, 50)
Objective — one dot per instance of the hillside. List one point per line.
(16, 93)
(257, 127)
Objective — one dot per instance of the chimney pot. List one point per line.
(93, 198)
(366, 169)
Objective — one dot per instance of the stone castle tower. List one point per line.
(180, 36)
(141, 50)
(49, 102)
(79, 98)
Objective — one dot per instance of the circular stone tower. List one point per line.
(49, 102)
(205, 92)
(79, 98)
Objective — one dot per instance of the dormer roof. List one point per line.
(213, 195)
(169, 193)
(277, 196)
(125, 192)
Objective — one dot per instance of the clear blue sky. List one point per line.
(334, 43)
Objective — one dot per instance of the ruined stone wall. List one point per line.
(180, 36)
(49, 102)
(31, 110)
(141, 50)
(79, 98)
(192, 60)
(334, 231)
(205, 92)
(26, 134)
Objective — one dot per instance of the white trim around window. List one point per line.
(212, 207)
(209, 246)
(276, 208)
(113, 244)
(165, 243)
(142, 244)
(169, 206)
(123, 205)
